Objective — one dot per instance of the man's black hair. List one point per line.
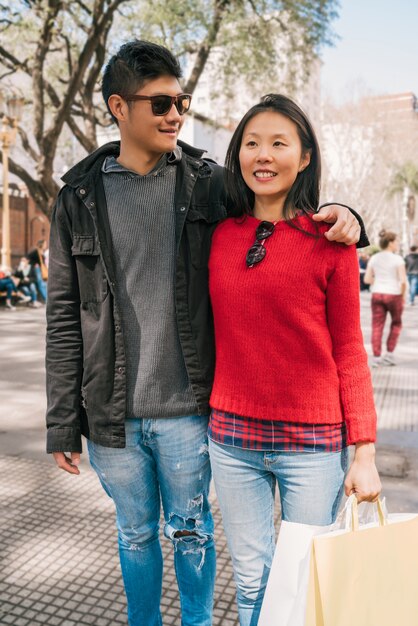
(135, 63)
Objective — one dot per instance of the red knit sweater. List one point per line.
(288, 339)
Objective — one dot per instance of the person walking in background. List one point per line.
(130, 350)
(39, 268)
(387, 277)
(292, 386)
(411, 262)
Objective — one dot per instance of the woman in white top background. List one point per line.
(387, 276)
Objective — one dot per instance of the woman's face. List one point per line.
(271, 155)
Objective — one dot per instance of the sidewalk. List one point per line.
(59, 563)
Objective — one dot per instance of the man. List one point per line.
(411, 261)
(130, 336)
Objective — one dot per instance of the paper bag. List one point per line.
(366, 575)
(284, 601)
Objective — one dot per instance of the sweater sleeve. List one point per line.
(343, 314)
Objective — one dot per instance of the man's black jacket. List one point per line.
(85, 350)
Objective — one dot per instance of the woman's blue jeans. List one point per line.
(8, 285)
(165, 460)
(29, 290)
(40, 283)
(310, 486)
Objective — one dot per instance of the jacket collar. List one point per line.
(91, 165)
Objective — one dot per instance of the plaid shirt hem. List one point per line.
(270, 435)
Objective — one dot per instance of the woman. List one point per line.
(9, 286)
(26, 284)
(387, 276)
(37, 260)
(292, 387)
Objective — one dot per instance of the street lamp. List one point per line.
(10, 116)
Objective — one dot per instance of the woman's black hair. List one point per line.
(135, 63)
(304, 193)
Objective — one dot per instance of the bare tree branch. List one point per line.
(37, 190)
(205, 47)
(68, 51)
(9, 73)
(54, 8)
(83, 6)
(14, 61)
(86, 142)
(27, 145)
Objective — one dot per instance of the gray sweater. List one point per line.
(142, 224)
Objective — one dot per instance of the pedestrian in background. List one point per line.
(387, 277)
(9, 284)
(363, 260)
(292, 386)
(411, 262)
(39, 268)
(27, 281)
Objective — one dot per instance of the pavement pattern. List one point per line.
(58, 551)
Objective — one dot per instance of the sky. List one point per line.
(376, 52)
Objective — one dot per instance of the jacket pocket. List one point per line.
(92, 280)
(201, 221)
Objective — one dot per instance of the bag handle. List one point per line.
(354, 513)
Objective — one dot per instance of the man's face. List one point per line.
(153, 134)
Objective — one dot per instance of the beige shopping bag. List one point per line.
(365, 576)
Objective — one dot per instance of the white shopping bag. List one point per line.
(284, 601)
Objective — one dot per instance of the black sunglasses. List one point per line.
(257, 252)
(161, 104)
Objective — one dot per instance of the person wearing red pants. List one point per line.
(387, 276)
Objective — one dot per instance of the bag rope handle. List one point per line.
(354, 514)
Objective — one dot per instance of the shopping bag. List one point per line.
(284, 601)
(365, 575)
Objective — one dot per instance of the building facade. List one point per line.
(27, 223)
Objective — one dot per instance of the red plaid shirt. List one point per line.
(259, 434)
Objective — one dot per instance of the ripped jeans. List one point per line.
(167, 458)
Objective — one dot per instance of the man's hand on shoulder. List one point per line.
(67, 463)
(345, 229)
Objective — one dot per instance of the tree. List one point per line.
(55, 50)
(404, 182)
(406, 176)
(356, 162)
(362, 142)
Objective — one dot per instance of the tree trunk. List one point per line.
(206, 45)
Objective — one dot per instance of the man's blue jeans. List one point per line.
(413, 287)
(310, 486)
(167, 458)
